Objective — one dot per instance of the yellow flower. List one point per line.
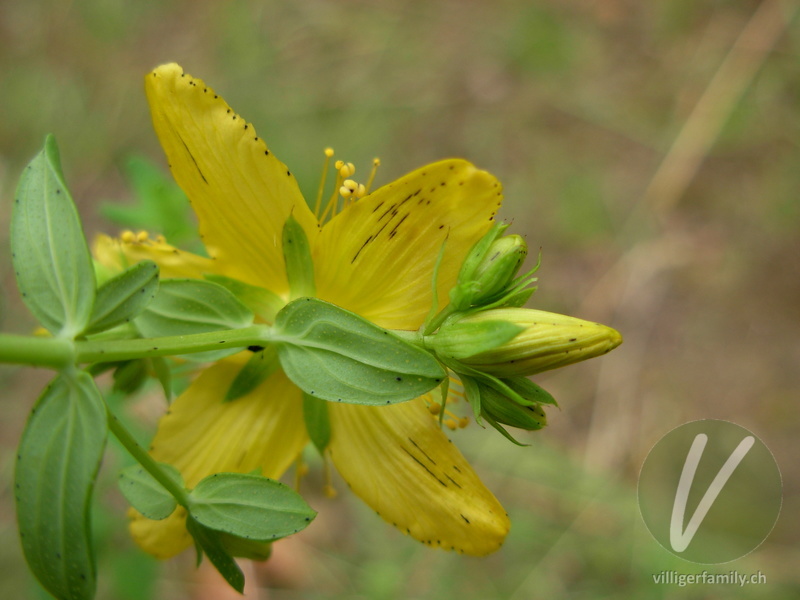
(375, 258)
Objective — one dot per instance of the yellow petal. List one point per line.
(119, 255)
(376, 258)
(241, 193)
(401, 464)
(201, 435)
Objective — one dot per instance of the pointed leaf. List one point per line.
(146, 494)
(462, 339)
(187, 306)
(297, 258)
(209, 542)
(163, 374)
(249, 506)
(124, 297)
(531, 392)
(318, 425)
(57, 463)
(261, 301)
(260, 366)
(336, 355)
(52, 262)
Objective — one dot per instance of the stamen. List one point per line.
(128, 237)
(348, 187)
(451, 424)
(142, 236)
(376, 162)
(328, 489)
(333, 201)
(300, 471)
(325, 166)
(346, 170)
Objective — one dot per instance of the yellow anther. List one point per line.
(329, 491)
(328, 152)
(435, 408)
(128, 237)
(360, 191)
(451, 424)
(142, 236)
(347, 170)
(160, 239)
(463, 422)
(349, 187)
(376, 162)
(338, 164)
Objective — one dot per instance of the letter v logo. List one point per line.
(679, 538)
(710, 491)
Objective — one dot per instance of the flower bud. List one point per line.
(506, 411)
(547, 341)
(499, 267)
(462, 293)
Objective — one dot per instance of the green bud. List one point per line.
(499, 267)
(547, 341)
(466, 287)
(504, 410)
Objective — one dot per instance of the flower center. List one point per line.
(345, 190)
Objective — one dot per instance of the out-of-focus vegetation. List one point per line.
(690, 248)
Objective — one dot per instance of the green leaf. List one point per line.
(188, 306)
(297, 258)
(318, 425)
(51, 260)
(336, 355)
(462, 339)
(208, 541)
(473, 393)
(124, 297)
(530, 391)
(261, 301)
(260, 366)
(249, 506)
(146, 494)
(130, 375)
(57, 463)
(163, 374)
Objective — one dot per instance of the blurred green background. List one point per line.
(651, 149)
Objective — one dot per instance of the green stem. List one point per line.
(143, 458)
(439, 319)
(59, 353)
(113, 350)
(56, 353)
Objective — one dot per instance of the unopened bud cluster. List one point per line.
(493, 344)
